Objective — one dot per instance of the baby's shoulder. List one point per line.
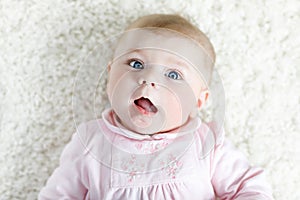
(209, 130)
(207, 137)
(88, 131)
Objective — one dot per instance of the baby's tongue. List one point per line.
(146, 104)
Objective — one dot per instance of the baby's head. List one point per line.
(159, 73)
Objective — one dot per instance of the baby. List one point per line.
(151, 144)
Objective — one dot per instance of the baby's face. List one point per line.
(153, 86)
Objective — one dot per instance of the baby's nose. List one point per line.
(150, 76)
(142, 81)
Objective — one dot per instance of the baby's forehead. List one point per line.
(155, 37)
(165, 40)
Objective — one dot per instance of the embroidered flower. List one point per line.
(132, 167)
(172, 166)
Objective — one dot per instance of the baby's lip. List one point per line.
(145, 106)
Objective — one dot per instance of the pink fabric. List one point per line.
(89, 169)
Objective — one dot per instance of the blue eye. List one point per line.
(174, 75)
(136, 64)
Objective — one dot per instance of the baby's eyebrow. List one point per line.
(132, 51)
(179, 62)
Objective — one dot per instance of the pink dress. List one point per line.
(106, 161)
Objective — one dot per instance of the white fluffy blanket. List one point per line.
(42, 44)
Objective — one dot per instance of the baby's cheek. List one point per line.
(184, 103)
(114, 79)
(174, 111)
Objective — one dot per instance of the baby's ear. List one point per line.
(203, 97)
(108, 66)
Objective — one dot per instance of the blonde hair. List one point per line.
(176, 23)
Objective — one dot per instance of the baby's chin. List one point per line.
(144, 126)
(149, 126)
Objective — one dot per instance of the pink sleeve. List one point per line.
(234, 178)
(67, 181)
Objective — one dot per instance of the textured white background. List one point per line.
(42, 44)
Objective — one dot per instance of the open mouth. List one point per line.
(145, 106)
